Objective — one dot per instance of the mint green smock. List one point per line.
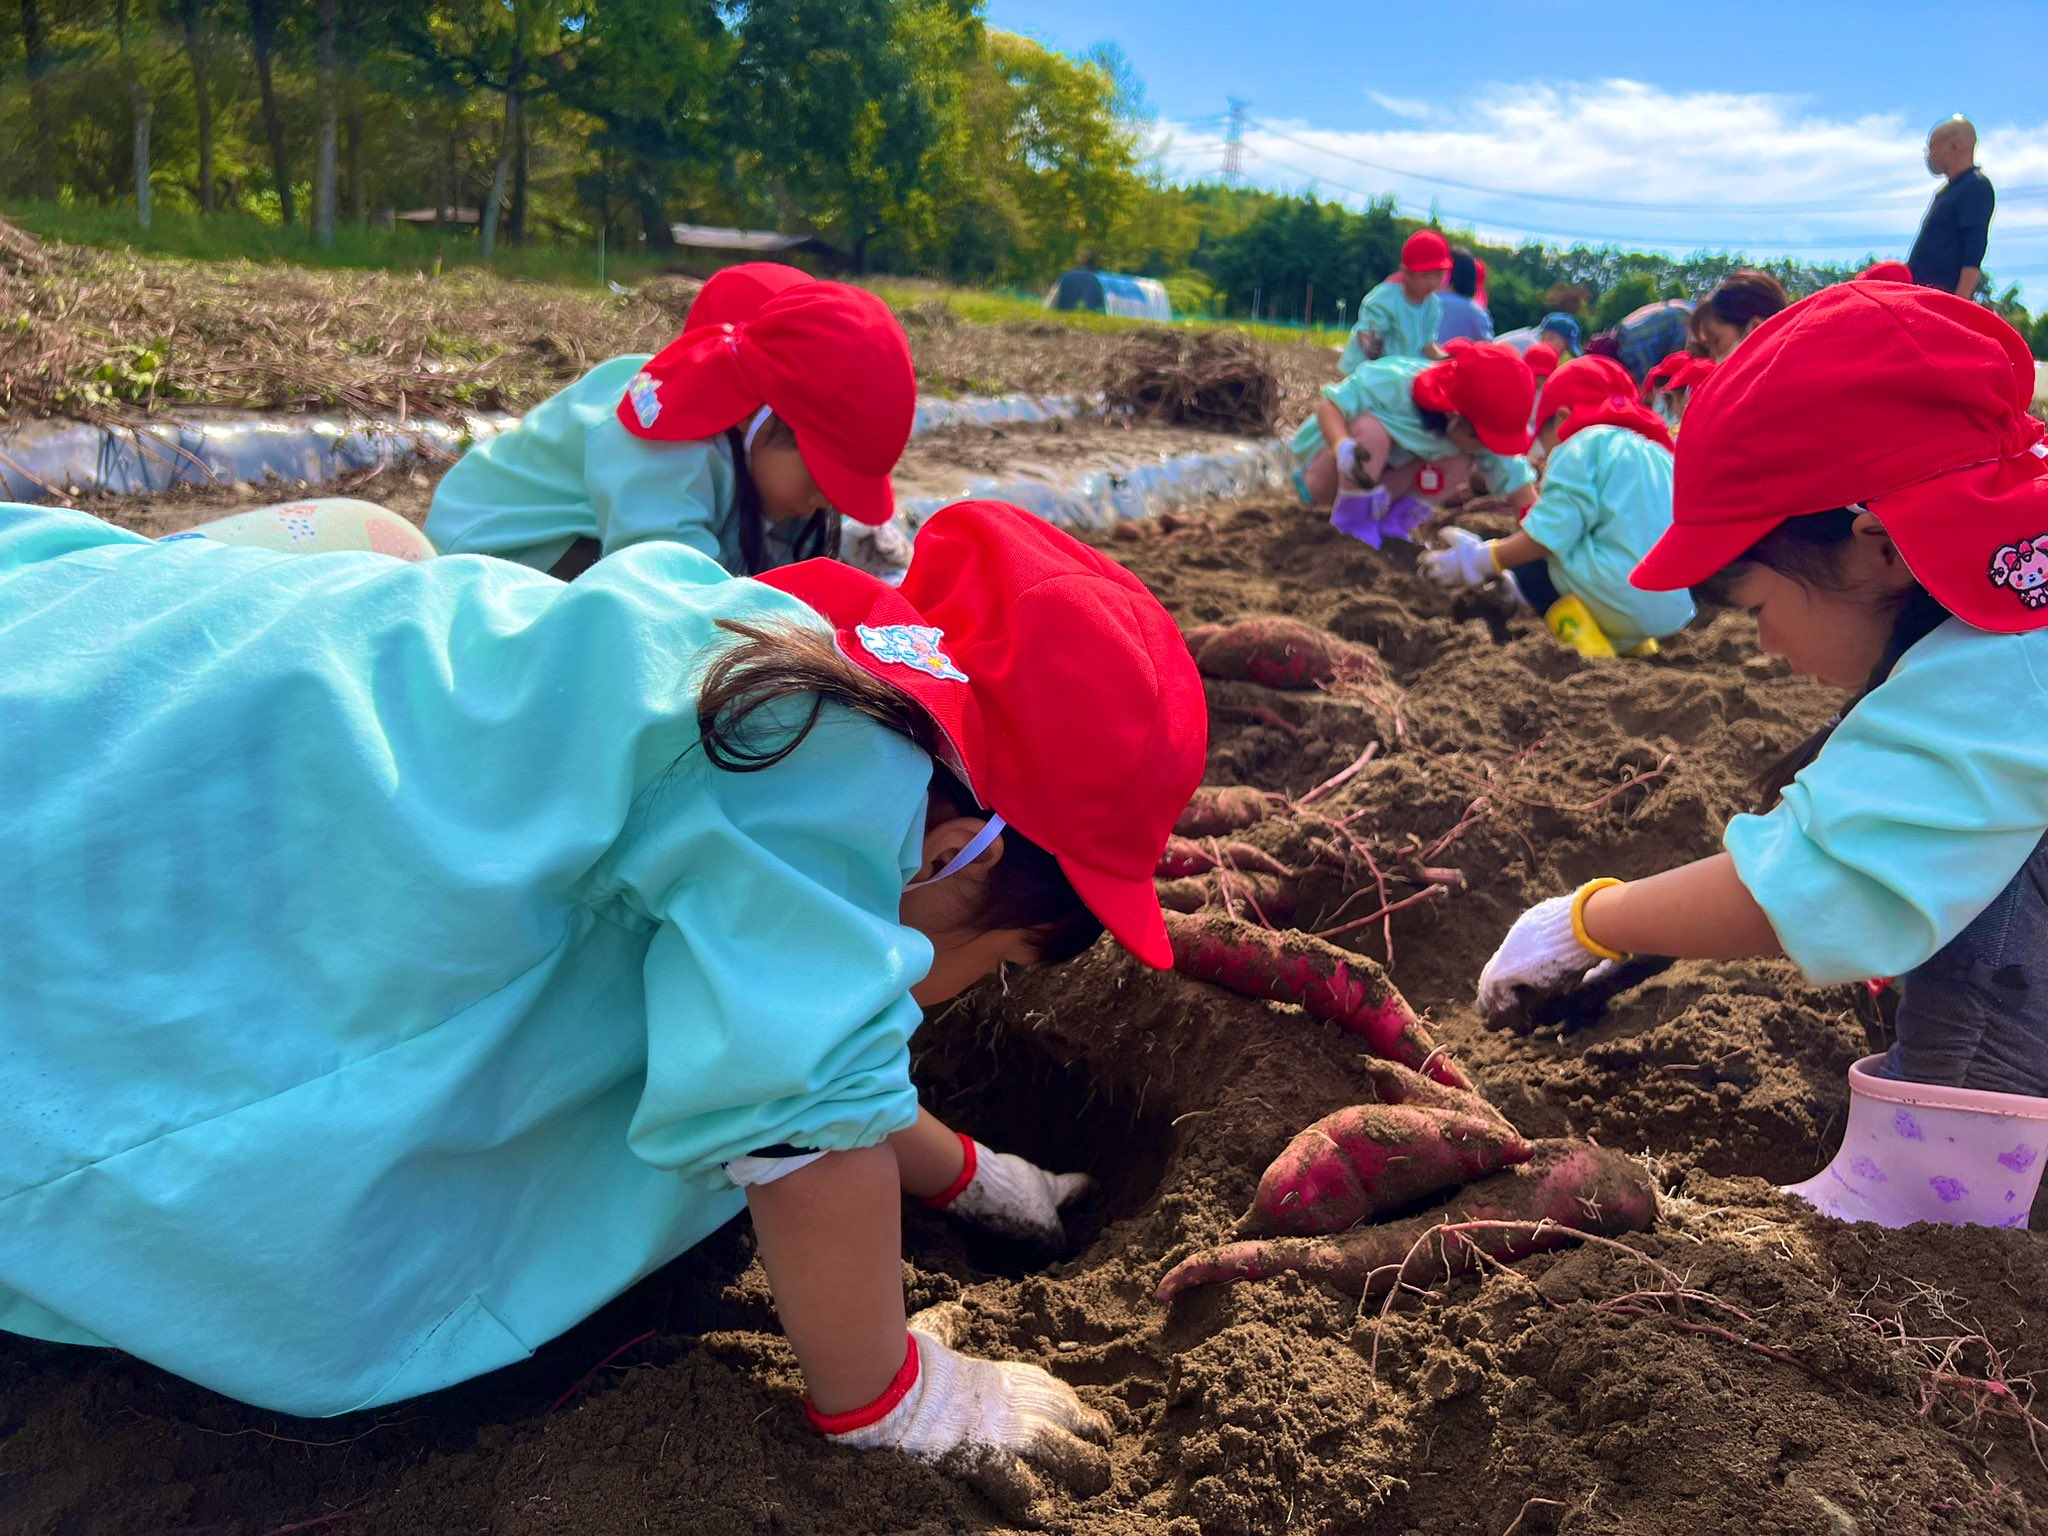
(1404, 329)
(1386, 389)
(1917, 814)
(1606, 499)
(569, 470)
(388, 976)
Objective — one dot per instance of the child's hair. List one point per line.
(1464, 272)
(1437, 422)
(819, 534)
(1809, 550)
(1741, 297)
(1027, 889)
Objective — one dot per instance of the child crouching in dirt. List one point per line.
(1606, 499)
(784, 402)
(1908, 559)
(1407, 433)
(482, 943)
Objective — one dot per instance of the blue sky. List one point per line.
(1792, 128)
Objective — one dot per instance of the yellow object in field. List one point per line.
(1571, 621)
(1647, 648)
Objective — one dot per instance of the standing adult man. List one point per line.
(1949, 254)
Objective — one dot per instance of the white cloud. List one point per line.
(1400, 106)
(1640, 166)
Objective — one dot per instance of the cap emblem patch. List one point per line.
(910, 645)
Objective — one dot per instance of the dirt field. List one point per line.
(1838, 1380)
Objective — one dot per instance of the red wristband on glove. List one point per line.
(860, 1418)
(952, 1191)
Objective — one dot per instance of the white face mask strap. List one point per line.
(990, 831)
(753, 427)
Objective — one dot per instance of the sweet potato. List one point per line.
(1364, 1161)
(1218, 811)
(1396, 1084)
(1574, 1185)
(1200, 636)
(1281, 653)
(1269, 896)
(1185, 856)
(1330, 984)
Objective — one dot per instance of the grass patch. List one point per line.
(977, 306)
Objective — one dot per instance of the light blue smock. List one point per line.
(1404, 329)
(1919, 811)
(387, 976)
(1606, 499)
(1386, 390)
(569, 469)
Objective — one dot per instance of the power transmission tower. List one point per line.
(1233, 143)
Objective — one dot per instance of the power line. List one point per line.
(2025, 191)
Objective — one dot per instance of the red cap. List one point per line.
(1905, 400)
(734, 294)
(1598, 392)
(1665, 374)
(1542, 360)
(1069, 698)
(1426, 251)
(1886, 272)
(1479, 285)
(829, 360)
(1488, 384)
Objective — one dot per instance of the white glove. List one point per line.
(989, 1421)
(1466, 560)
(1540, 951)
(1016, 1198)
(1346, 454)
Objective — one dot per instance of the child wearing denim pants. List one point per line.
(1909, 559)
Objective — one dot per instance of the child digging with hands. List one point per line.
(485, 942)
(1908, 559)
(1407, 433)
(1605, 500)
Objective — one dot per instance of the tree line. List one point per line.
(906, 135)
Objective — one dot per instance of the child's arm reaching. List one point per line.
(1699, 911)
(1466, 560)
(955, 1173)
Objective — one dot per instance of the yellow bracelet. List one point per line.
(1579, 900)
(1493, 554)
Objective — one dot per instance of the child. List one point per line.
(484, 942)
(1464, 310)
(1606, 499)
(1646, 336)
(741, 439)
(1401, 317)
(1409, 431)
(1557, 331)
(1671, 383)
(1914, 840)
(321, 523)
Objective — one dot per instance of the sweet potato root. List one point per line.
(1200, 636)
(1219, 811)
(1573, 1186)
(1185, 856)
(1282, 653)
(1364, 1161)
(1330, 984)
(1271, 897)
(1396, 1084)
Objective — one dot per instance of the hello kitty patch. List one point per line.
(910, 645)
(644, 395)
(2024, 568)
(1429, 479)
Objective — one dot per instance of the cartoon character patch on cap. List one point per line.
(2024, 568)
(644, 394)
(910, 645)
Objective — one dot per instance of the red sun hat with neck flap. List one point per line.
(733, 294)
(1885, 272)
(1068, 697)
(1905, 401)
(1542, 360)
(1598, 392)
(1426, 251)
(829, 360)
(1488, 384)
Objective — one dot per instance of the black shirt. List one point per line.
(1954, 233)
